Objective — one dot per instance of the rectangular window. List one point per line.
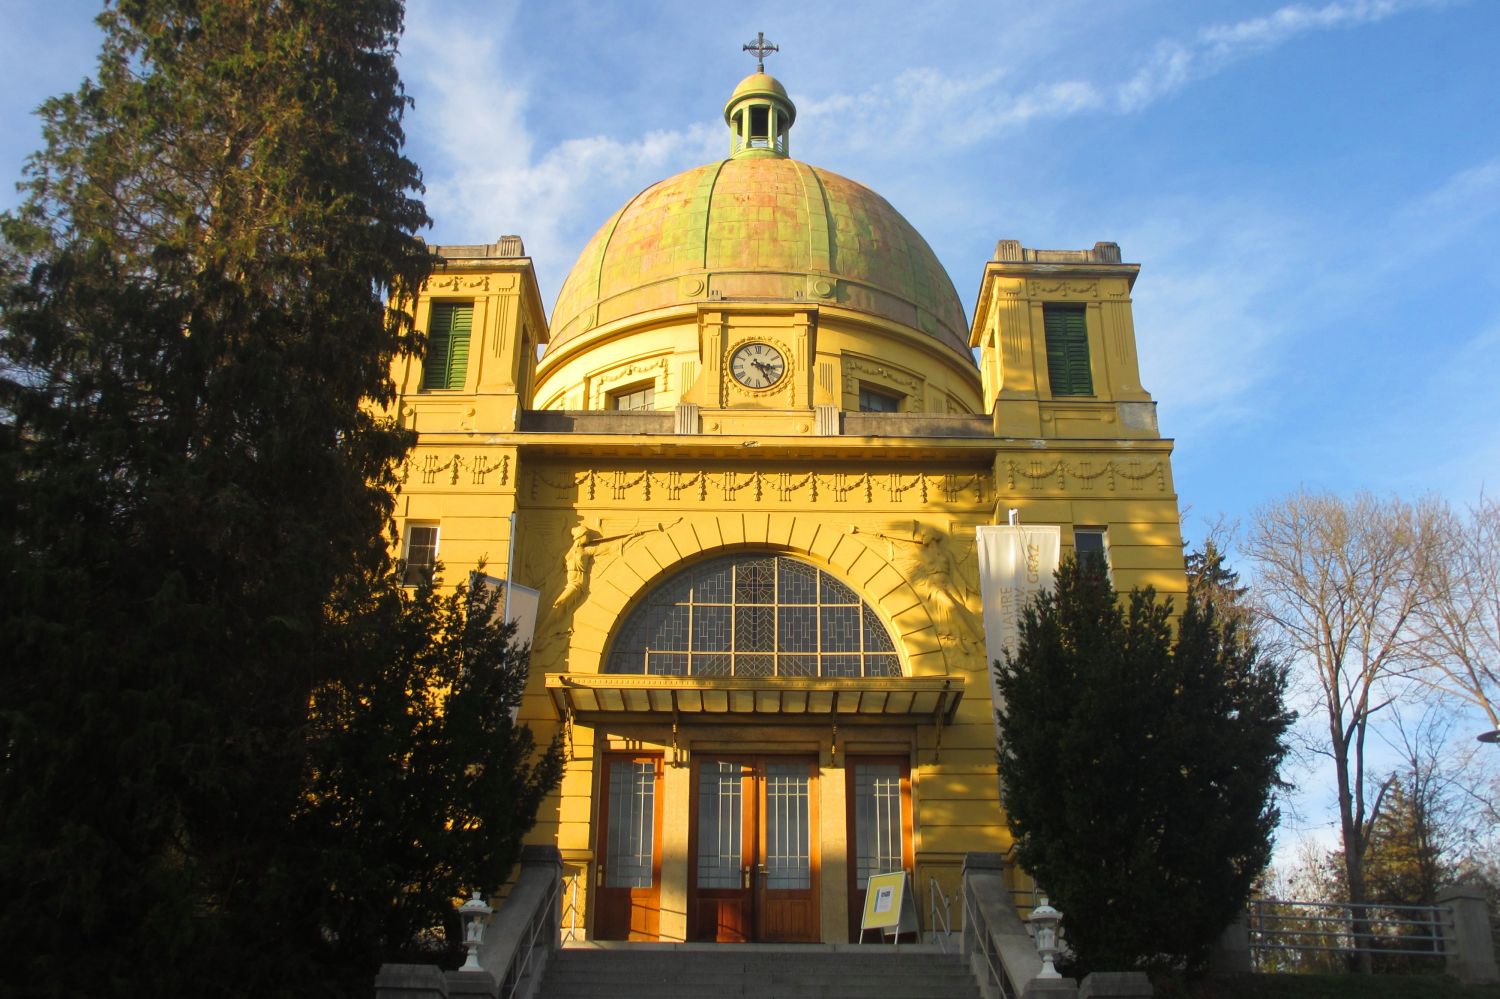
(447, 361)
(639, 396)
(879, 829)
(1067, 350)
(879, 843)
(630, 858)
(421, 554)
(1091, 548)
(875, 401)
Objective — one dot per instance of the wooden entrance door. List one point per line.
(879, 826)
(627, 905)
(755, 853)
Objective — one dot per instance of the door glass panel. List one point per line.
(877, 820)
(788, 857)
(720, 824)
(632, 820)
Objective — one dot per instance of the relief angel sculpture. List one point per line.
(573, 575)
(934, 565)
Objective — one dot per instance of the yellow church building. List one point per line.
(743, 465)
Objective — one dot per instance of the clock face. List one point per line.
(757, 365)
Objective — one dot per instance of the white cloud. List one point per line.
(1462, 458)
(485, 174)
(1222, 42)
(1233, 280)
(1213, 328)
(959, 110)
(1173, 64)
(1455, 208)
(1170, 66)
(488, 174)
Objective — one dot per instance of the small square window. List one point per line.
(875, 401)
(639, 396)
(421, 554)
(1091, 548)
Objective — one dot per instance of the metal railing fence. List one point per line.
(1289, 934)
(571, 909)
(940, 914)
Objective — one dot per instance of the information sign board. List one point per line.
(889, 905)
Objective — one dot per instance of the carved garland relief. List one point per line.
(460, 282)
(431, 469)
(657, 369)
(889, 376)
(757, 486)
(1063, 289)
(1061, 475)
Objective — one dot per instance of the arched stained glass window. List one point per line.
(754, 615)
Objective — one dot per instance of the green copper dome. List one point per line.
(759, 228)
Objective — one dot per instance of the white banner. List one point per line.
(520, 604)
(1015, 563)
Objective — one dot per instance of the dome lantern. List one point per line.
(759, 113)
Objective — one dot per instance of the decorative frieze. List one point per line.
(1085, 476)
(1062, 288)
(459, 282)
(548, 483)
(431, 467)
(758, 486)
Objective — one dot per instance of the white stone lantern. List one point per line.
(474, 914)
(1044, 920)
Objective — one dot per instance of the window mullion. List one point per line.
(818, 620)
(691, 606)
(775, 616)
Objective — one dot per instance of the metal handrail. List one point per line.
(939, 917)
(1025, 898)
(974, 923)
(570, 910)
(541, 920)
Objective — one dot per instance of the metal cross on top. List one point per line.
(761, 48)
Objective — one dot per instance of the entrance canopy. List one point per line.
(913, 700)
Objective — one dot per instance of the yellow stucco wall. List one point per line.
(754, 473)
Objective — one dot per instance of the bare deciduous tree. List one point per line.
(1460, 617)
(1343, 582)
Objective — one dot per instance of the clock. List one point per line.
(757, 365)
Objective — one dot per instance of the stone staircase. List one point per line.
(728, 971)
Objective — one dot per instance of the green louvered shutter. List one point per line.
(1067, 351)
(447, 361)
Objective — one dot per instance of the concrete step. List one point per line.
(732, 971)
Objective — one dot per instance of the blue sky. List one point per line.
(1312, 189)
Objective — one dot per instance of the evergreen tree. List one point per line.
(1137, 767)
(416, 737)
(1209, 575)
(195, 489)
(1406, 863)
